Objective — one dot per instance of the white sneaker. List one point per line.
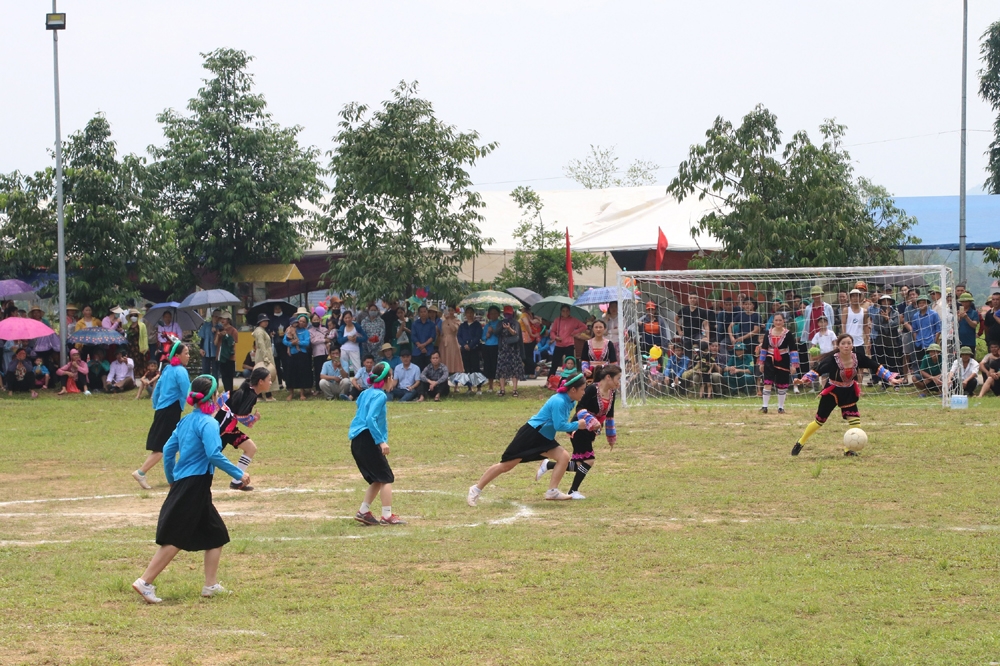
(542, 470)
(577, 495)
(146, 591)
(86, 392)
(212, 590)
(141, 478)
(556, 494)
(473, 495)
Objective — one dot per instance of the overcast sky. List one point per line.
(544, 78)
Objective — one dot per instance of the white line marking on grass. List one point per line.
(71, 499)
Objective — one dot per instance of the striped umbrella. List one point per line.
(97, 337)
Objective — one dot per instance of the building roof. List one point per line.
(937, 221)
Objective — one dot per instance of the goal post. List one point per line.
(695, 335)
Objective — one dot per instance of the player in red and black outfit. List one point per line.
(842, 366)
(237, 409)
(779, 358)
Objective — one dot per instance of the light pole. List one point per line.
(961, 194)
(56, 22)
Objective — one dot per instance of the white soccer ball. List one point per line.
(855, 439)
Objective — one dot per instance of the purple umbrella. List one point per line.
(21, 328)
(10, 289)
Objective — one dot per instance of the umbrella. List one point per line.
(209, 298)
(11, 289)
(21, 328)
(97, 336)
(526, 296)
(188, 320)
(482, 300)
(267, 307)
(549, 308)
(600, 295)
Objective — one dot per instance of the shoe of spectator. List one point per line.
(146, 591)
(366, 518)
(391, 520)
(542, 469)
(556, 494)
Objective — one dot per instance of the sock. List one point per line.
(767, 394)
(140, 472)
(810, 431)
(854, 422)
(571, 468)
(781, 398)
(581, 473)
(244, 462)
(365, 507)
(386, 511)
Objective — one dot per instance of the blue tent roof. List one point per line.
(937, 221)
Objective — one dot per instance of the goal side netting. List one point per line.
(688, 337)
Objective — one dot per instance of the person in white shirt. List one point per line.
(856, 323)
(121, 376)
(824, 338)
(967, 369)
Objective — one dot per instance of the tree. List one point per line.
(989, 90)
(539, 263)
(114, 236)
(233, 179)
(788, 207)
(599, 170)
(401, 210)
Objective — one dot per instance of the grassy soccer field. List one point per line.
(701, 542)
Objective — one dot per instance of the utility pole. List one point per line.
(961, 194)
(56, 22)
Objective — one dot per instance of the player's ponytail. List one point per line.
(203, 390)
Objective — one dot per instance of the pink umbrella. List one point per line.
(20, 328)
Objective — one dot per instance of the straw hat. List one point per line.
(385, 347)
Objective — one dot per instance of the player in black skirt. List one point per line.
(537, 439)
(238, 409)
(168, 402)
(596, 405)
(779, 361)
(188, 519)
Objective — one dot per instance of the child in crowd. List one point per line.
(148, 380)
(824, 338)
(169, 395)
(238, 409)
(537, 440)
(42, 375)
(369, 434)
(188, 519)
(568, 368)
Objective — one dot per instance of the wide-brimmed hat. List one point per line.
(923, 297)
(966, 297)
(385, 347)
(117, 310)
(856, 291)
(935, 287)
(433, 308)
(133, 311)
(36, 307)
(965, 350)
(934, 347)
(302, 312)
(887, 297)
(261, 318)
(72, 307)
(816, 291)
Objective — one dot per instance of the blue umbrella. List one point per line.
(188, 320)
(599, 295)
(209, 298)
(97, 336)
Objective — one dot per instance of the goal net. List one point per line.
(690, 336)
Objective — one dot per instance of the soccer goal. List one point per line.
(690, 336)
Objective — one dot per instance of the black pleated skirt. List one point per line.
(188, 519)
(164, 422)
(528, 445)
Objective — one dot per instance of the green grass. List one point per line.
(701, 542)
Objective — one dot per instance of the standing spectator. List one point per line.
(19, 376)
(693, 323)
(390, 318)
(399, 332)
(226, 337)
(407, 379)
(746, 325)
(435, 316)
(531, 329)
(968, 321)
(611, 322)
(811, 314)
(490, 349)
(925, 326)
(843, 303)
(167, 331)
(723, 318)
(299, 357)
(209, 350)
(263, 351)
(510, 357)
(654, 330)
(598, 351)
(887, 345)
(451, 352)
(965, 369)
(317, 347)
(470, 335)
(332, 381)
(564, 331)
(121, 376)
(138, 339)
(906, 311)
(113, 322)
(856, 322)
(276, 328)
(424, 333)
(87, 321)
(374, 332)
(348, 337)
(990, 318)
(72, 312)
(434, 379)
(929, 380)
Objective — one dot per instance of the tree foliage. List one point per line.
(114, 236)
(401, 210)
(989, 90)
(599, 170)
(233, 179)
(539, 263)
(792, 206)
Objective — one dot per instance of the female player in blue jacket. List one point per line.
(168, 402)
(537, 439)
(188, 519)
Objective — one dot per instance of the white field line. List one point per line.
(89, 498)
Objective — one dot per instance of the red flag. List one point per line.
(569, 264)
(661, 249)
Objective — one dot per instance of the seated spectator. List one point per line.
(715, 349)
(990, 368)
(406, 379)
(740, 372)
(333, 382)
(702, 372)
(389, 356)
(677, 365)
(74, 374)
(148, 380)
(556, 375)
(434, 379)
(20, 377)
(42, 376)
(360, 381)
(247, 366)
(966, 369)
(121, 375)
(99, 369)
(929, 380)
